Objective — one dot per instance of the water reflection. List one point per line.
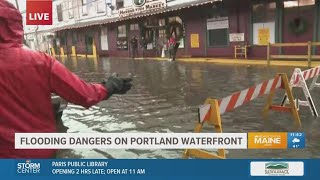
(165, 98)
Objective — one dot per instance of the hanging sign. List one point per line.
(195, 41)
(236, 37)
(217, 23)
(142, 6)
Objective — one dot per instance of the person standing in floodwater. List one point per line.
(171, 47)
(134, 47)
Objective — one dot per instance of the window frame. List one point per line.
(126, 31)
(218, 46)
(221, 11)
(84, 4)
(60, 15)
(70, 9)
(135, 27)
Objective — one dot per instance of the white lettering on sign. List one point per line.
(217, 23)
(39, 16)
(149, 6)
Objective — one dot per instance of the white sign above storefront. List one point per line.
(218, 23)
(142, 6)
(236, 37)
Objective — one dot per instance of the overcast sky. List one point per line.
(22, 4)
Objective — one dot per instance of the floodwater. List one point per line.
(165, 97)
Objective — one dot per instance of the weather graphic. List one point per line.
(296, 140)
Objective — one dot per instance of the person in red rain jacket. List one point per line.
(171, 48)
(27, 79)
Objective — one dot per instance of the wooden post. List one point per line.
(309, 53)
(268, 54)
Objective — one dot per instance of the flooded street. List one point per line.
(165, 97)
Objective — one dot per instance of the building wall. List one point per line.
(289, 14)
(195, 23)
(195, 18)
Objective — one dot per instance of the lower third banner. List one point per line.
(156, 169)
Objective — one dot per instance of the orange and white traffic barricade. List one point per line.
(298, 80)
(315, 79)
(212, 109)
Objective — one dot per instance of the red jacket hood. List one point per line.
(11, 28)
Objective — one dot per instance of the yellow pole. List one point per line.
(61, 51)
(94, 50)
(53, 52)
(73, 51)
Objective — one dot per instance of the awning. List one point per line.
(113, 20)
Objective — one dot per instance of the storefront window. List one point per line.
(122, 31)
(218, 30)
(134, 27)
(296, 3)
(263, 19)
(218, 26)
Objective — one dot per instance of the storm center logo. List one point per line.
(139, 2)
(28, 167)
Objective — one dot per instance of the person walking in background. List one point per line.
(134, 47)
(171, 47)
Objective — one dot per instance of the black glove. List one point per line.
(116, 85)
